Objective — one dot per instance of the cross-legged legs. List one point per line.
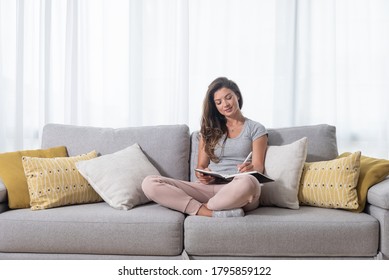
(189, 197)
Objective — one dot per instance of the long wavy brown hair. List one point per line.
(213, 124)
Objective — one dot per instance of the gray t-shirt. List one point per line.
(235, 150)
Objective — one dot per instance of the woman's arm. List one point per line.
(202, 163)
(258, 158)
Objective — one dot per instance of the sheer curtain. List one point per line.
(93, 62)
(148, 62)
(337, 70)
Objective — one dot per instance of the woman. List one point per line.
(226, 138)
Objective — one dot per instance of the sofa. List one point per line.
(150, 231)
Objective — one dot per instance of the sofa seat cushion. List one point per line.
(93, 229)
(268, 231)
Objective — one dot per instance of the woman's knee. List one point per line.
(149, 185)
(249, 185)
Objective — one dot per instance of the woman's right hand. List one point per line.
(205, 179)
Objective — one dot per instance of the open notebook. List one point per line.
(262, 178)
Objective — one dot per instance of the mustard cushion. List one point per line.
(12, 173)
(54, 182)
(331, 184)
(372, 172)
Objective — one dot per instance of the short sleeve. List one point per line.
(256, 130)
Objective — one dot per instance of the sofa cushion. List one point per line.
(332, 183)
(321, 142)
(118, 177)
(284, 164)
(269, 231)
(54, 182)
(166, 146)
(13, 177)
(93, 229)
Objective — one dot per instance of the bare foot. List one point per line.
(204, 211)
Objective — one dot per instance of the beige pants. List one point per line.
(187, 197)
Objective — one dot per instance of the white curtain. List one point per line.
(123, 63)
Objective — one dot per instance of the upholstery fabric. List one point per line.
(272, 231)
(322, 143)
(331, 184)
(118, 177)
(88, 257)
(166, 146)
(13, 177)
(94, 228)
(284, 164)
(378, 194)
(54, 182)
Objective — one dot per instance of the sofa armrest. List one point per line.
(378, 207)
(378, 195)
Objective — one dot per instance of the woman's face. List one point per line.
(226, 102)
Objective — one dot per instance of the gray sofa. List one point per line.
(149, 231)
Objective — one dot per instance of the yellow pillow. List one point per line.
(54, 182)
(12, 173)
(372, 172)
(331, 184)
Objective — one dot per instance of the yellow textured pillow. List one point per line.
(56, 182)
(12, 173)
(372, 172)
(331, 184)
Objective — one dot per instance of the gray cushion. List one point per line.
(3, 192)
(378, 194)
(267, 231)
(93, 229)
(166, 146)
(322, 143)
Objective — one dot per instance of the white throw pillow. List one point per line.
(118, 177)
(284, 164)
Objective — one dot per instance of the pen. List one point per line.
(247, 158)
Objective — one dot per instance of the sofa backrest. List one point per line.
(322, 143)
(166, 146)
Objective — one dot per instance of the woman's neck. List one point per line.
(234, 126)
(236, 120)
